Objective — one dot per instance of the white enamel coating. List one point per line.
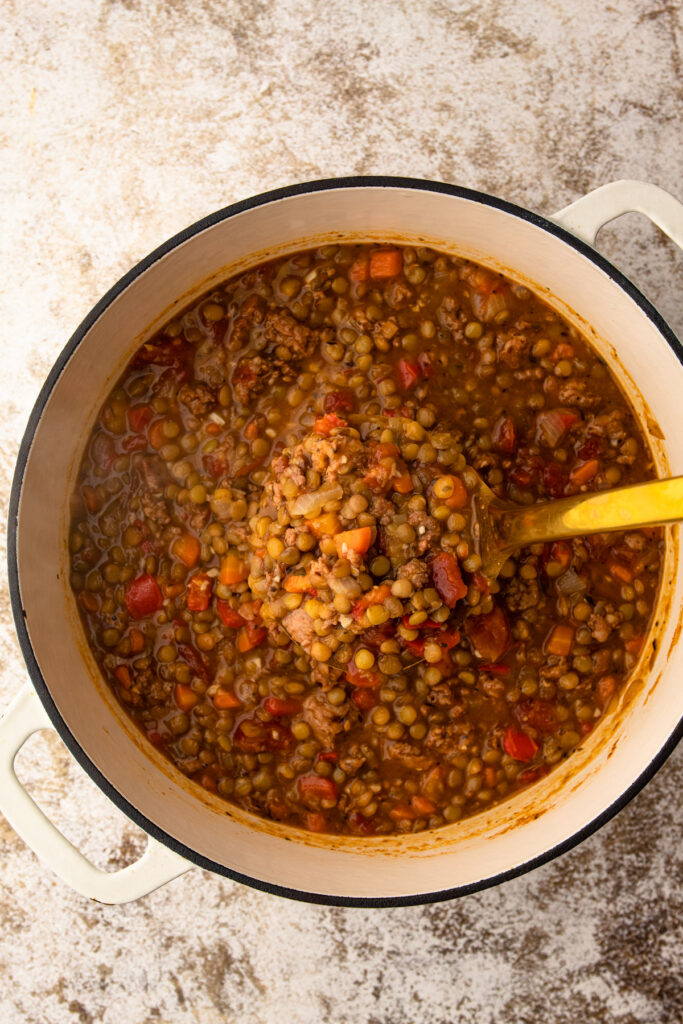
(497, 841)
(158, 864)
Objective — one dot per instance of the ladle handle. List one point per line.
(650, 504)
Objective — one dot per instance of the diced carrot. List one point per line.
(408, 373)
(358, 540)
(403, 484)
(458, 499)
(250, 636)
(621, 572)
(634, 644)
(605, 688)
(137, 641)
(277, 706)
(157, 438)
(560, 641)
(233, 570)
(359, 269)
(563, 351)
(228, 616)
(185, 697)
(385, 263)
(90, 602)
(224, 700)
(584, 472)
(212, 429)
(402, 812)
(208, 781)
(92, 501)
(314, 821)
(422, 805)
(377, 595)
(490, 776)
(187, 549)
(139, 416)
(297, 583)
(122, 673)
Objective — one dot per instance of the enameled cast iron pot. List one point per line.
(186, 824)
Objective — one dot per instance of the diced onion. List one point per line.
(313, 501)
(570, 583)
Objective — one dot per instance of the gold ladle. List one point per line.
(499, 528)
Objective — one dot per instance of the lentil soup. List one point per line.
(271, 553)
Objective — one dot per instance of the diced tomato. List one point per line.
(157, 437)
(327, 423)
(358, 540)
(207, 780)
(359, 269)
(342, 400)
(560, 640)
(134, 443)
(416, 647)
(224, 700)
(377, 595)
(255, 737)
(590, 449)
(634, 645)
(554, 479)
(408, 373)
(187, 549)
(563, 351)
(277, 706)
(143, 596)
(368, 679)
(318, 787)
(363, 698)
(528, 468)
(199, 592)
(532, 774)
(361, 825)
(403, 812)
(585, 728)
(504, 438)
(216, 464)
(228, 616)
(328, 755)
(518, 745)
(185, 697)
(538, 713)
(584, 472)
(250, 636)
(620, 572)
(314, 821)
(481, 582)
(560, 551)
(552, 425)
(447, 578)
(489, 634)
(233, 570)
(194, 659)
(248, 468)
(139, 416)
(137, 641)
(385, 263)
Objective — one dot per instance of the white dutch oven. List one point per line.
(189, 826)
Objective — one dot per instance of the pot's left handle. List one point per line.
(587, 215)
(158, 864)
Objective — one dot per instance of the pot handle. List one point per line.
(158, 864)
(587, 215)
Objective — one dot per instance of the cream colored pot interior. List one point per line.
(494, 842)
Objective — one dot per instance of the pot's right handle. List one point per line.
(587, 215)
(158, 864)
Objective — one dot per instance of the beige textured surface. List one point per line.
(123, 122)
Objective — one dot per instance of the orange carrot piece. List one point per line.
(224, 700)
(208, 782)
(385, 263)
(585, 472)
(187, 549)
(560, 641)
(185, 697)
(233, 570)
(358, 540)
(621, 572)
(422, 805)
(137, 641)
(403, 484)
(122, 673)
(296, 583)
(634, 644)
(157, 438)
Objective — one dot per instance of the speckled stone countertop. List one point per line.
(124, 121)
